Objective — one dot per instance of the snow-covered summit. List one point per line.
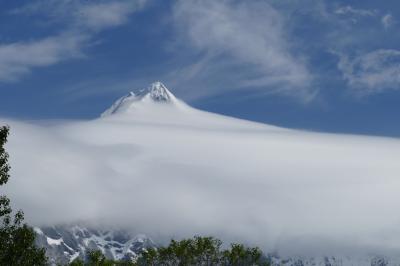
(156, 93)
(159, 93)
(157, 105)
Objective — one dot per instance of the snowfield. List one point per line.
(155, 165)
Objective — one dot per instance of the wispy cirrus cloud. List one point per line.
(244, 42)
(81, 21)
(17, 59)
(349, 10)
(104, 15)
(83, 15)
(372, 72)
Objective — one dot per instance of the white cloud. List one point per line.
(178, 172)
(372, 72)
(249, 34)
(387, 21)
(17, 59)
(82, 19)
(348, 10)
(104, 15)
(88, 14)
(98, 16)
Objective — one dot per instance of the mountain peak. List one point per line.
(156, 93)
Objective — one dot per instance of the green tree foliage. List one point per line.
(77, 262)
(238, 254)
(17, 240)
(201, 251)
(4, 166)
(197, 251)
(97, 258)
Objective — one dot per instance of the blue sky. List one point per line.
(320, 65)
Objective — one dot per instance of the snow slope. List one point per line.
(155, 165)
(65, 243)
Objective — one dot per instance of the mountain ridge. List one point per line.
(64, 243)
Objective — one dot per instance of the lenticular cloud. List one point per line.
(155, 165)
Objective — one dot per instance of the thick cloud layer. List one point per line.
(176, 172)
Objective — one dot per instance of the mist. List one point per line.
(182, 173)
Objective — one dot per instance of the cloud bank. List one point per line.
(171, 172)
